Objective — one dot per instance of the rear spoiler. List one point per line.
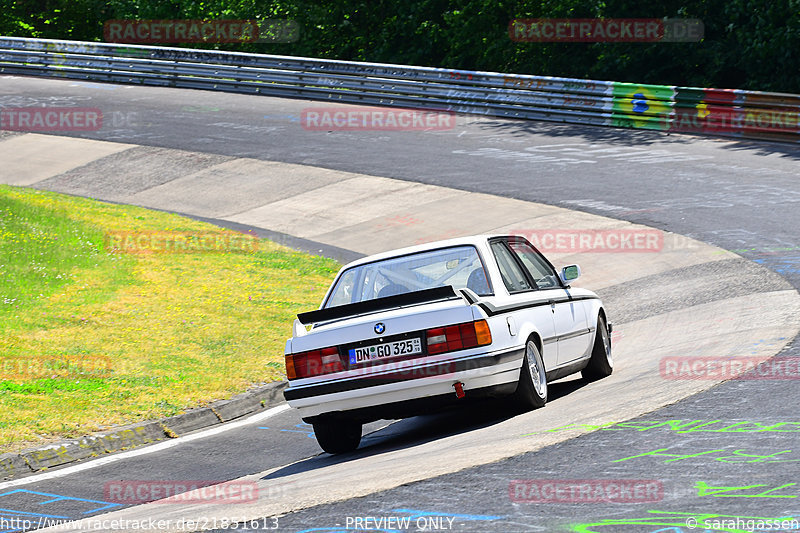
(379, 304)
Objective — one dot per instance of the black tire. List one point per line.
(337, 435)
(601, 364)
(531, 390)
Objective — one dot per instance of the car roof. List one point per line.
(474, 240)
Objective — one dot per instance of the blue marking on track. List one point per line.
(304, 428)
(58, 498)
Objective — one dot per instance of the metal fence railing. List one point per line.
(738, 113)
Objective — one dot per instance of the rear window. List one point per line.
(458, 266)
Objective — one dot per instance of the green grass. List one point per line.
(42, 251)
(92, 337)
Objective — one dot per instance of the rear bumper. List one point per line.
(382, 396)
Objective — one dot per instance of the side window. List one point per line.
(513, 277)
(541, 272)
(343, 293)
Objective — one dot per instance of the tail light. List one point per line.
(313, 363)
(458, 337)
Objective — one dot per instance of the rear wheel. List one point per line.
(532, 386)
(337, 435)
(600, 364)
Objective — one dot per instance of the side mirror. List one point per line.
(570, 273)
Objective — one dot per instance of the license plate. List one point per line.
(385, 350)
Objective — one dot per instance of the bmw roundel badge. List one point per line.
(380, 327)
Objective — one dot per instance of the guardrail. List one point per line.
(728, 112)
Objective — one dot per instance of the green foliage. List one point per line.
(749, 44)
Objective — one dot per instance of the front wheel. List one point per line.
(600, 363)
(337, 435)
(532, 386)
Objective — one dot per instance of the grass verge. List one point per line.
(92, 336)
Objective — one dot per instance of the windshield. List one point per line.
(458, 266)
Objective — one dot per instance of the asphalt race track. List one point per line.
(727, 453)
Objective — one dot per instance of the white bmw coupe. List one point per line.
(404, 332)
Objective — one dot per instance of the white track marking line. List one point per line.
(269, 413)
